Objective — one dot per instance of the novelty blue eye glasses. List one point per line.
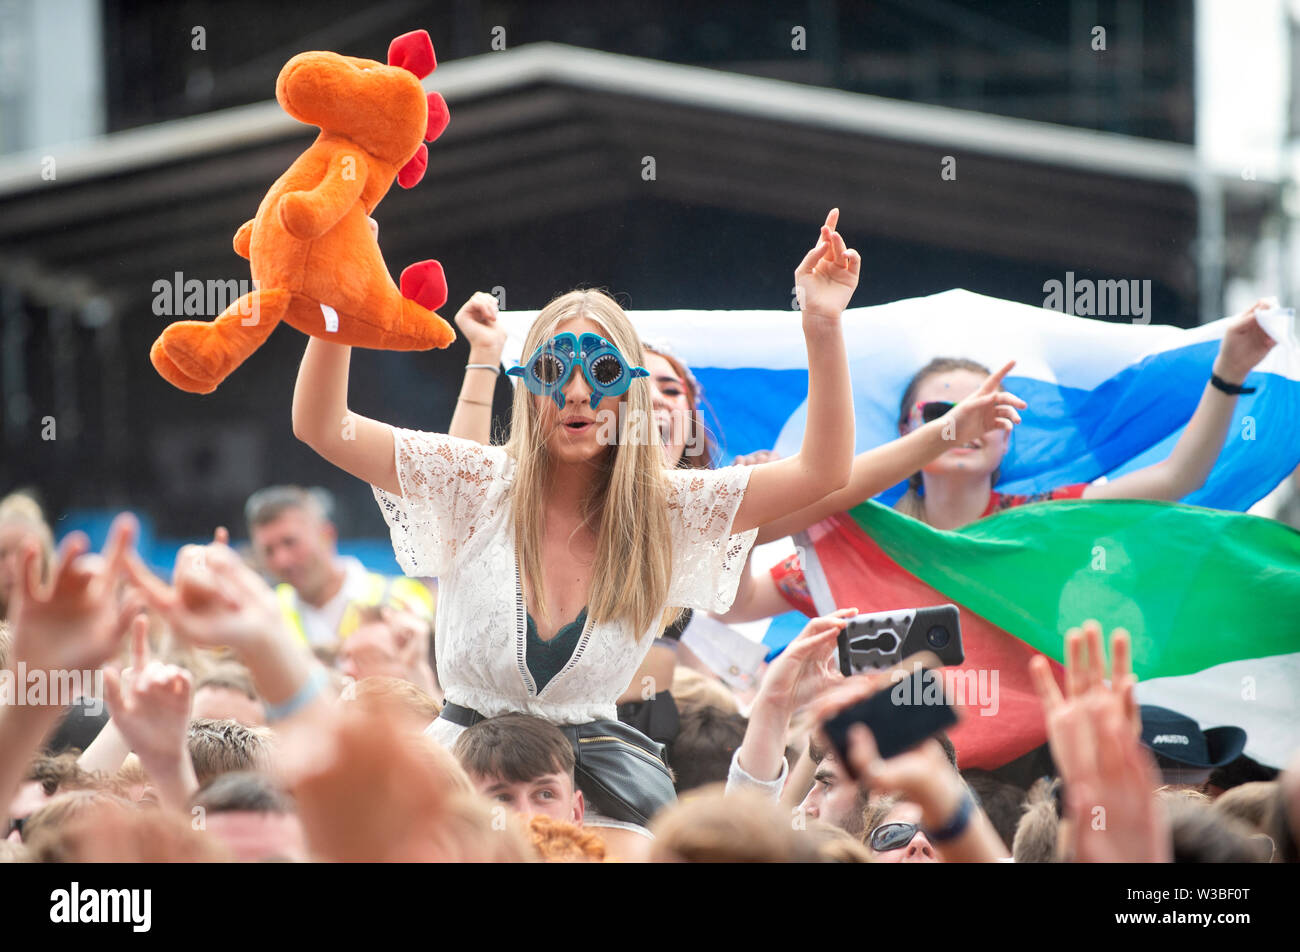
(548, 370)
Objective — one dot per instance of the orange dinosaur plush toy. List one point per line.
(316, 264)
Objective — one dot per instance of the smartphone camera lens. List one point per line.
(938, 637)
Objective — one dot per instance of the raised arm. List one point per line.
(477, 321)
(150, 705)
(322, 420)
(72, 623)
(874, 471)
(800, 673)
(826, 279)
(1185, 470)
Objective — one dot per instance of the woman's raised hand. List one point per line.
(477, 321)
(988, 408)
(809, 664)
(827, 276)
(1244, 344)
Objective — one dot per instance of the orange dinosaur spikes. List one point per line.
(315, 263)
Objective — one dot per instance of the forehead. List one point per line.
(577, 326)
(831, 765)
(907, 812)
(659, 366)
(374, 634)
(491, 782)
(950, 385)
(290, 520)
(250, 833)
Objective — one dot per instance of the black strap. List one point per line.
(1231, 389)
(460, 715)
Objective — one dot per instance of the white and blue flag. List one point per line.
(1104, 398)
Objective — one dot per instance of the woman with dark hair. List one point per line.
(953, 467)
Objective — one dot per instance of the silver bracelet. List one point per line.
(495, 368)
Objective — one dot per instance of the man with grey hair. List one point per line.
(294, 540)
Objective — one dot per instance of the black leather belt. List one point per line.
(460, 715)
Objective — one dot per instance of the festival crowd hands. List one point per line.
(92, 605)
(802, 672)
(363, 790)
(1093, 728)
(922, 775)
(149, 703)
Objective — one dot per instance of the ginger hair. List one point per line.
(560, 842)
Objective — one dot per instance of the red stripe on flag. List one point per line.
(861, 574)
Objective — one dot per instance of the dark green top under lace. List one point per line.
(545, 659)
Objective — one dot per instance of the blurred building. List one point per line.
(986, 146)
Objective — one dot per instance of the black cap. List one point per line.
(1178, 738)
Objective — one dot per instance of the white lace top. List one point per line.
(452, 521)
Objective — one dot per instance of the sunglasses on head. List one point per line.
(932, 410)
(893, 836)
(548, 370)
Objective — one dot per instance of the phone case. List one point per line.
(899, 717)
(883, 639)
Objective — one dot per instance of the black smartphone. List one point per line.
(883, 639)
(899, 716)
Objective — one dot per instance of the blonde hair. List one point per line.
(690, 688)
(1248, 802)
(627, 507)
(19, 508)
(395, 696)
(737, 827)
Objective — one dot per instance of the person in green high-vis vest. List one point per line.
(295, 542)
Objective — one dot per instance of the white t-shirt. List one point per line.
(453, 521)
(321, 625)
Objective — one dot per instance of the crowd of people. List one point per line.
(522, 693)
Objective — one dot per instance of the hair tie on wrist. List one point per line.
(1231, 389)
(477, 403)
(306, 694)
(495, 368)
